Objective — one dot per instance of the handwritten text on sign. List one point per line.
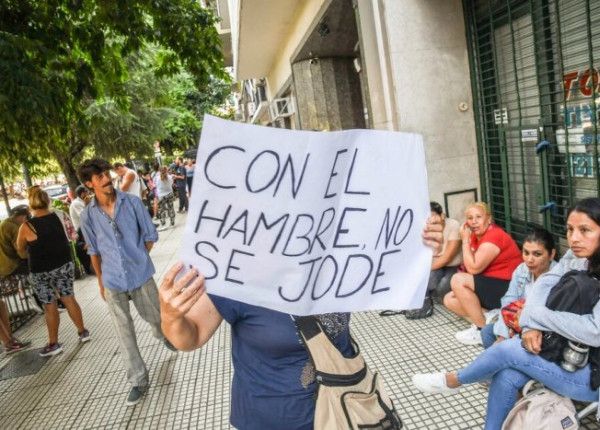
(309, 222)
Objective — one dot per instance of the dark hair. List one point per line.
(20, 210)
(80, 190)
(117, 165)
(590, 207)
(94, 166)
(541, 236)
(129, 164)
(436, 207)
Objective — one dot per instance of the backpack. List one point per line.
(348, 394)
(541, 409)
(576, 292)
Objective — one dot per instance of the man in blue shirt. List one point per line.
(180, 176)
(120, 235)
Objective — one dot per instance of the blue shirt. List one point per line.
(180, 171)
(268, 360)
(120, 241)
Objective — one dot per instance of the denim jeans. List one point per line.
(439, 281)
(487, 335)
(510, 366)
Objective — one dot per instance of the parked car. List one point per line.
(58, 192)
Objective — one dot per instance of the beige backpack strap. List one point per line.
(325, 356)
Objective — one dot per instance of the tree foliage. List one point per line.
(116, 131)
(190, 105)
(59, 57)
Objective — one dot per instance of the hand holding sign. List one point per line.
(306, 222)
(433, 233)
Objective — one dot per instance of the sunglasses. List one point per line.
(115, 228)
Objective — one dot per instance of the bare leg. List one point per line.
(74, 312)
(452, 380)
(5, 333)
(52, 321)
(463, 287)
(453, 304)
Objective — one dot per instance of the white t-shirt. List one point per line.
(163, 188)
(77, 206)
(451, 233)
(135, 187)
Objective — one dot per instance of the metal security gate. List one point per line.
(536, 86)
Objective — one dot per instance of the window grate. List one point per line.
(536, 71)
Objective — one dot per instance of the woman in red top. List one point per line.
(490, 256)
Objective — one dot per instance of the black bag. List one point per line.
(576, 292)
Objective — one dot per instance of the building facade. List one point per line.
(504, 92)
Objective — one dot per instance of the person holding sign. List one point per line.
(490, 256)
(274, 382)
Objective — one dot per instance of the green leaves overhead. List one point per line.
(54, 53)
(70, 76)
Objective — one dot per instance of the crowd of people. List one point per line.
(112, 211)
(477, 269)
(514, 345)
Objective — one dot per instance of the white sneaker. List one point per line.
(491, 316)
(162, 228)
(433, 383)
(470, 336)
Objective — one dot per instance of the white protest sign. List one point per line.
(309, 222)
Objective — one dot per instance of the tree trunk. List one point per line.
(26, 175)
(66, 165)
(167, 146)
(4, 195)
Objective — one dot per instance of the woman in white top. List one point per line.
(163, 183)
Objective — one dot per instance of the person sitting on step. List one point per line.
(511, 363)
(538, 258)
(490, 256)
(443, 265)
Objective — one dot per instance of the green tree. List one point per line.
(190, 104)
(58, 57)
(116, 131)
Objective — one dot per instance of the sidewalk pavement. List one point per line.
(85, 387)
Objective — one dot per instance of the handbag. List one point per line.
(348, 394)
(71, 235)
(509, 315)
(541, 409)
(67, 224)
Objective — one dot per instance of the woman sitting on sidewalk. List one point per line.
(513, 362)
(538, 258)
(490, 256)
